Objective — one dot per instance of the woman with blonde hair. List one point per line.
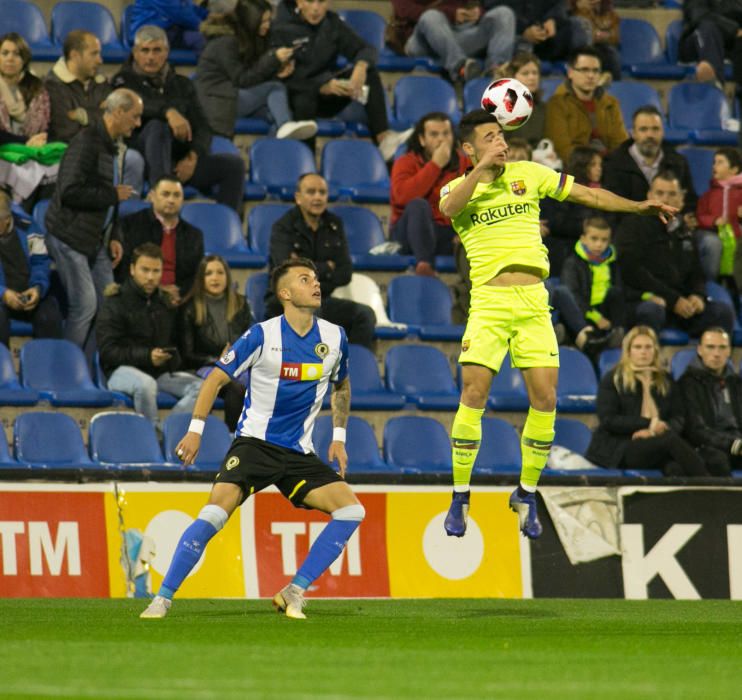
(639, 419)
(214, 316)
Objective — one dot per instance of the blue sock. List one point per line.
(189, 550)
(325, 550)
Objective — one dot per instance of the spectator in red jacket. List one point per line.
(431, 161)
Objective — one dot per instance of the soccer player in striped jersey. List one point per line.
(290, 361)
(495, 210)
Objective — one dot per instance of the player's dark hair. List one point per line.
(579, 162)
(732, 155)
(648, 110)
(280, 270)
(75, 41)
(583, 51)
(414, 145)
(595, 222)
(146, 250)
(471, 120)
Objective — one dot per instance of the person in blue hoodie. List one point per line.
(24, 279)
(591, 275)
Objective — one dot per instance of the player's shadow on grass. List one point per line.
(511, 612)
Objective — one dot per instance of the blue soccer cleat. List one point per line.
(525, 507)
(458, 513)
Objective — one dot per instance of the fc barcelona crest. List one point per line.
(518, 187)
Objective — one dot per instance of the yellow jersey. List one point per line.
(500, 225)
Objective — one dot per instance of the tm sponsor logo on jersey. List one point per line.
(494, 214)
(301, 371)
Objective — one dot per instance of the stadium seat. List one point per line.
(178, 57)
(700, 163)
(260, 222)
(572, 434)
(356, 170)
(26, 19)
(367, 391)
(276, 164)
(608, 360)
(473, 90)
(673, 336)
(223, 235)
(255, 289)
(363, 452)
(221, 144)
(416, 444)
(424, 304)
(215, 441)
(251, 125)
(549, 85)
(92, 17)
(702, 110)
(642, 54)
(716, 292)
(364, 231)
(680, 361)
(11, 391)
(62, 447)
(672, 43)
(508, 389)
(7, 463)
(578, 386)
(422, 375)
(132, 206)
(416, 95)
(58, 370)
(500, 448)
(126, 441)
(371, 27)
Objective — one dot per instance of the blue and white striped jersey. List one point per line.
(288, 376)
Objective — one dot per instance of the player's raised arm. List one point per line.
(597, 198)
(189, 445)
(340, 404)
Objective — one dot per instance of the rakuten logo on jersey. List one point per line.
(53, 545)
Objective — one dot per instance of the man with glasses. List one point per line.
(581, 113)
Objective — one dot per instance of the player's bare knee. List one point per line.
(474, 395)
(544, 400)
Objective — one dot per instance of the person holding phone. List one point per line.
(136, 332)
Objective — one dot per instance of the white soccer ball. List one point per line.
(509, 101)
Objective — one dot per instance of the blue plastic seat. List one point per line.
(508, 389)
(363, 231)
(356, 170)
(215, 441)
(11, 391)
(716, 292)
(178, 57)
(92, 17)
(367, 391)
(499, 452)
(260, 222)
(276, 164)
(131, 206)
(223, 235)
(126, 441)
(473, 90)
(221, 144)
(422, 375)
(7, 463)
(680, 361)
(673, 336)
(58, 370)
(371, 27)
(424, 304)
(61, 447)
(255, 289)
(700, 164)
(361, 446)
(572, 434)
(26, 19)
(702, 110)
(416, 444)
(578, 386)
(416, 95)
(642, 54)
(608, 360)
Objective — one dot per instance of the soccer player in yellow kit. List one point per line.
(494, 208)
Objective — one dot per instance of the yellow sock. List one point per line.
(535, 443)
(466, 435)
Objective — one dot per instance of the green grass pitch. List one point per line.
(595, 649)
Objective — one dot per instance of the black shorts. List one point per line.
(254, 464)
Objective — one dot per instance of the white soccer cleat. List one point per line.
(157, 609)
(290, 600)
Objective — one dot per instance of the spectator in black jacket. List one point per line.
(238, 75)
(182, 244)
(640, 417)
(661, 269)
(215, 316)
(137, 340)
(310, 231)
(316, 87)
(175, 137)
(80, 221)
(711, 395)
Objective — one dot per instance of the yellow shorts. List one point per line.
(515, 319)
